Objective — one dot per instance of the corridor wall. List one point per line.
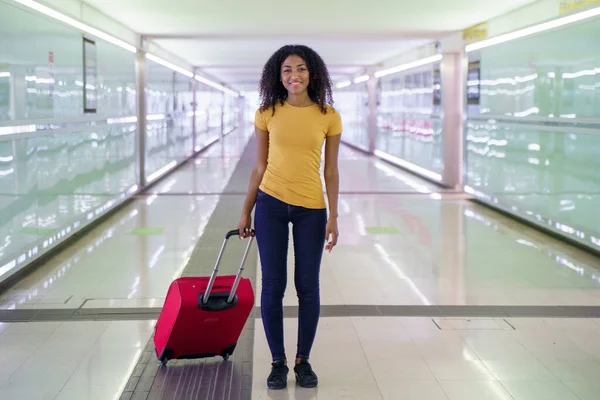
(532, 135)
(530, 128)
(353, 104)
(69, 132)
(409, 117)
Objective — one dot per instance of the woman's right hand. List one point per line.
(245, 226)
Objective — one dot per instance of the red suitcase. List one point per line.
(204, 317)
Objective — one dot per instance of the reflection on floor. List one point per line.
(403, 243)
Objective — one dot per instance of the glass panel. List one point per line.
(532, 139)
(409, 124)
(59, 169)
(168, 125)
(353, 104)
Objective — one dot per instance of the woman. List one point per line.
(295, 118)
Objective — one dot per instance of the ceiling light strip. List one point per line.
(216, 85)
(407, 66)
(74, 23)
(570, 19)
(343, 84)
(111, 39)
(169, 65)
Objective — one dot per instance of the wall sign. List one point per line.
(90, 76)
(474, 83)
(475, 33)
(437, 87)
(567, 6)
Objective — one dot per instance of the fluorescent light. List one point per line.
(216, 85)
(155, 117)
(70, 21)
(361, 79)
(407, 66)
(4, 74)
(7, 172)
(169, 65)
(565, 75)
(534, 29)
(9, 130)
(121, 120)
(343, 84)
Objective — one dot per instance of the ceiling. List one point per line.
(232, 39)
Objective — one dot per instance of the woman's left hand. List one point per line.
(331, 234)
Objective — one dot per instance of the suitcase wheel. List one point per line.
(166, 355)
(228, 351)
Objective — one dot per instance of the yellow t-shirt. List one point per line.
(296, 137)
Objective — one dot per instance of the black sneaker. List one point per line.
(305, 376)
(277, 380)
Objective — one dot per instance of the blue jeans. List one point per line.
(271, 224)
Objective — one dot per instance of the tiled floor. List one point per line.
(69, 360)
(412, 358)
(402, 243)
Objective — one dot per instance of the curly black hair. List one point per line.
(319, 88)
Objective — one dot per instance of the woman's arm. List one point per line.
(256, 177)
(332, 186)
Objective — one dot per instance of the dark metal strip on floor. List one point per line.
(327, 311)
(209, 378)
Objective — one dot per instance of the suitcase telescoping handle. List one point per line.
(213, 276)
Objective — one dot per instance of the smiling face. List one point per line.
(294, 75)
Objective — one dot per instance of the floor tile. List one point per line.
(539, 390)
(471, 324)
(333, 389)
(585, 390)
(491, 390)
(291, 393)
(391, 350)
(520, 369)
(461, 370)
(412, 390)
(574, 370)
(29, 392)
(86, 392)
(389, 369)
(33, 327)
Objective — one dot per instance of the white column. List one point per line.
(194, 108)
(453, 110)
(223, 100)
(241, 110)
(372, 84)
(141, 115)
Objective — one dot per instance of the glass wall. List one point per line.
(169, 133)
(353, 104)
(409, 124)
(231, 113)
(533, 130)
(204, 95)
(68, 148)
(59, 168)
